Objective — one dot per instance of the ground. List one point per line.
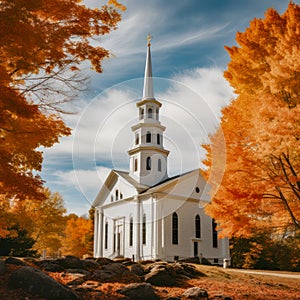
(218, 281)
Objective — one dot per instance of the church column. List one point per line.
(100, 233)
(96, 233)
(153, 227)
(138, 229)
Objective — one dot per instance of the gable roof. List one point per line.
(163, 184)
(140, 188)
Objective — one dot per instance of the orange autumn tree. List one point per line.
(77, 239)
(42, 46)
(260, 188)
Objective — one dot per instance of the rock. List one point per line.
(90, 265)
(139, 291)
(137, 269)
(195, 293)
(116, 268)
(104, 261)
(40, 284)
(115, 272)
(50, 266)
(2, 267)
(70, 262)
(78, 271)
(15, 261)
(160, 275)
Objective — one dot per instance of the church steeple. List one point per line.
(148, 81)
(148, 158)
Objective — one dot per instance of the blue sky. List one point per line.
(188, 59)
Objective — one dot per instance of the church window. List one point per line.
(144, 229)
(148, 163)
(141, 113)
(111, 198)
(157, 114)
(198, 227)
(175, 229)
(135, 164)
(158, 139)
(137, 139)
(148, 137)
(121, 196)
(150, 113)
(159, 165)
(131, 232)
(197, 190)
(106, 235)
(214, 234)
(117, 195)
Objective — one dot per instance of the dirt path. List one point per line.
(278, 274)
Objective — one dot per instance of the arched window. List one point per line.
(175, 229)
(214, 234)
(137, 139)
(144, 229)
(131, 232)
(106, 235)
(198, 227)
(150, 113)
(159, 165)
(141, 113)
(158, 139)
(148, 137)
(148, 163)
(117, 195)
(135, 164)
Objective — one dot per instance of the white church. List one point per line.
(144, 214)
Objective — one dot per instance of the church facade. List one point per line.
(144, 214)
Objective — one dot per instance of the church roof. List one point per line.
(146, 189)
(133, 182)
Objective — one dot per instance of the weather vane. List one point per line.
(149, 38)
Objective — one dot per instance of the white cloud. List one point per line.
(190, 111)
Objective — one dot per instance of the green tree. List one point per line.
(18, 243)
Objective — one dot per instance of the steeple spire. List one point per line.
(148, 81)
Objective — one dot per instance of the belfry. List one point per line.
(148, 158)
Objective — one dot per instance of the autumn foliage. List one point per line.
(78, 237)
(261, 183)
(42, 45)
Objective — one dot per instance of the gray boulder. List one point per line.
(139, 291)
(40, 284)
(137, 269)
(70, 262)
(195, 293)
(161, 275)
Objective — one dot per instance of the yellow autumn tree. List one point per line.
(43, 221)
(261, 183)
(77, 239)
